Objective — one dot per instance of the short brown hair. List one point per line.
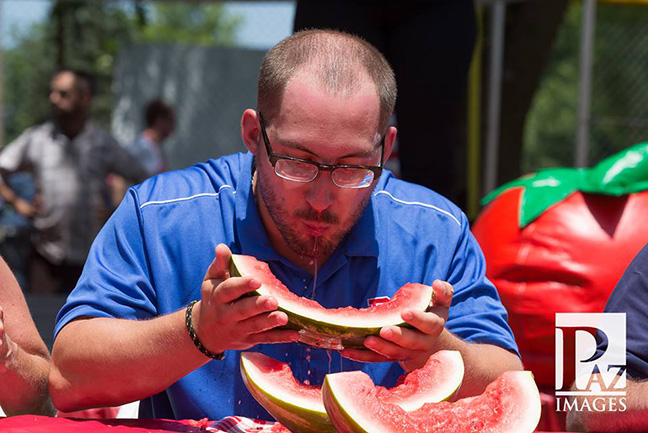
(339, 60)
(155, 110)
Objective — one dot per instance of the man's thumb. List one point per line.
(219, 268)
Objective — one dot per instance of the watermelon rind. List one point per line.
(297, 416)
(328, 329)
(349, 413)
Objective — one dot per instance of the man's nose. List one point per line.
(321, 192)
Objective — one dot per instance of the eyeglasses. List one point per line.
(64, 94)
(304, 171)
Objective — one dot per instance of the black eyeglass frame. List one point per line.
(274, 157)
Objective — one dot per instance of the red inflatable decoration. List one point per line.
(558, 241)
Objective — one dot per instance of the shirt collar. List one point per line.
(58, 134)
(361, 241)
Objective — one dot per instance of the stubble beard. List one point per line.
(67, 119)
(314, 247)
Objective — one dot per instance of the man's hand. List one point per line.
(25, 208)
(411, 347)
(7, 347)
(227, 320)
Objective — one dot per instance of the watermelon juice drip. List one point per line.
(314, 268)
(283, 373)
(330, 360)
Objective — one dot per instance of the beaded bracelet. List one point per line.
(194, 337)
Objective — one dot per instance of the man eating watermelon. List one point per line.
(156, 317)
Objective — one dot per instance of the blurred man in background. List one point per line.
(69, 158)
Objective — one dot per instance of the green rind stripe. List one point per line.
(335, 323)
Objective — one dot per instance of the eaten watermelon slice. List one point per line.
(511, 404)
(336, 328)
(300, 408)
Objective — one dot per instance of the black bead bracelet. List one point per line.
(194, 337)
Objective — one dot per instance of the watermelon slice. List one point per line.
(511, 404)
(300, 408)
(295, 405)
(336, 328)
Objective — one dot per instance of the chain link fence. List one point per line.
(620, 88)
(619, 108)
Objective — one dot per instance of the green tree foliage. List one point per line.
(205, 25)
(26, 70)
(88, 35)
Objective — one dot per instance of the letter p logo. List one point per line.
(581, 328)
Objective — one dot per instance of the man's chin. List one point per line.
(313, 247)
(62, 117)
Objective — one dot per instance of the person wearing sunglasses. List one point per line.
(68, 159)
(156, 315)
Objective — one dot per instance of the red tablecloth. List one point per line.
(33, 424)
(231, 424)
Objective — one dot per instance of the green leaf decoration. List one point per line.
(623, 173)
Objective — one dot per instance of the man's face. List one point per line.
(311, 219)
(66, 98)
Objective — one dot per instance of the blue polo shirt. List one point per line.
(152, 255)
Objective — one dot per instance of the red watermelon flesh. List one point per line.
(511, 404)
(334, 328)
(300, 408)
(437, 380)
